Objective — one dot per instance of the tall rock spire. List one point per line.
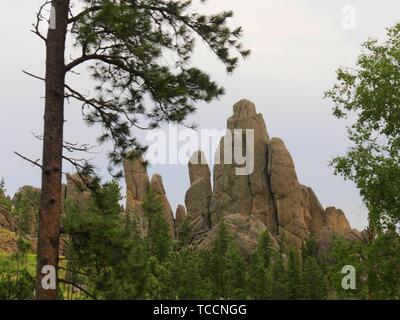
(158, 187)
(269, 198)
(198, 196)
(245, 194)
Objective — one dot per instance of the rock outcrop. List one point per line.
(7, 221)
(77, 191)
(198, 197)
(137, 184)
(269, 198)
(27, 199)
(158, 187)
(245, 194)
(180, 215)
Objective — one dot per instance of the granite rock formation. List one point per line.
(198, 197)
(158, 187)
(270, 198)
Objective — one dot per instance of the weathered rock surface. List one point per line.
(7, 221)
(245, 231)
(137, 182)
(269, 198)
(180, 215)
(338, 222)
(77, 191)
(8, 241)
(158, 187)
(247, 194)
(198, 197)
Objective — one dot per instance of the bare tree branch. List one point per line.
(33, 76)
(35, 163)
(39, 19)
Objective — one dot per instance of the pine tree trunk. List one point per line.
(50, 203)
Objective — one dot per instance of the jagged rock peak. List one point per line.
(158, 187)
(198, 167)
(157, 184)
(136, 179)
(269, 198)
(245, 194)
(180, 214)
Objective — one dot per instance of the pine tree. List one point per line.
(294, 280)
(260, 273)
(314, 285)
(279, 281)
(104, 252)
(159, 242)
(139, 56)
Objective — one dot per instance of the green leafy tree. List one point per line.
(383, 266)
(139, 57)
(370, 94)
(345, 253)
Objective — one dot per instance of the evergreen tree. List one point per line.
(279, 281)
(159, 242)
(139, 55)
(314, 285)
(294, 280)
(104, 250)
(227, 268)
(260, 272)
(310, 249)
(184, 234)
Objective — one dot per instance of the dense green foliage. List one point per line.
(106, 258)
(370, 93)
(118, 264)
(16, 276)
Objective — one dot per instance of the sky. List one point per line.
(296, 47)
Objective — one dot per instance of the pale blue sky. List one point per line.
(297, 46)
